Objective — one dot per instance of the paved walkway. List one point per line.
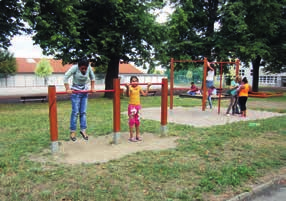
(26, 91)
(194, 116)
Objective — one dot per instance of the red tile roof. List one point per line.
(26, 65)
(128, 69)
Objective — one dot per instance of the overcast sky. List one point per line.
(22, 46)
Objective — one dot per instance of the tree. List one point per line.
(105, 31)
(252, 30)
(11, 22)
(191, 31)
(7, 64)
(44, 69)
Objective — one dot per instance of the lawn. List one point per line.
(208, 163)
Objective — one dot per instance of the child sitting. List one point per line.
(193, 90)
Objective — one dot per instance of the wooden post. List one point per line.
(220, 87)
(116, 110)
(204, 85)
(164, 106)
(53, 118)
(171, 83)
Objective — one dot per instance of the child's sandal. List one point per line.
(132, 140)
(72, 136)
(139, 138)
(84, 135)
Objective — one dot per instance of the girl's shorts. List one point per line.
(133, 113)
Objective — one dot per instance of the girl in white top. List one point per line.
(210, 75)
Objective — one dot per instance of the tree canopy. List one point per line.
(110, 30)
(11, 21)
(7, 63)
(104, 30)
(254, 28)
(253, 31)
(44, 69)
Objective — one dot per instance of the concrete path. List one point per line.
(194, 116)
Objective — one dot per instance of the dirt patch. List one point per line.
(100, 149)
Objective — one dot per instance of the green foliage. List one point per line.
(190, 73)
(253, 31)
(44, 68)
(228, 175)
(191, 31)
(105, 31)
(11, 21)
(71, 29)
(7, 63)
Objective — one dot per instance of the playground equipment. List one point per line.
(164, 102)
(204, 94)
(52, 94)
(264, 94)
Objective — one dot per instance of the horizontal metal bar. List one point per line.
(142, 84)
(85, 91)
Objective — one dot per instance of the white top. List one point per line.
(210, 76)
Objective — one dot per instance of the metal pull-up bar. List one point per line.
(53, 112)
(116, 109)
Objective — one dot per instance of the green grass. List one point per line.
(207, 161)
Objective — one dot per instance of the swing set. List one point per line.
(204, 94)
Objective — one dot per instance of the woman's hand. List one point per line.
(69, 91)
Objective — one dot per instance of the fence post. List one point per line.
(164, 106)
(172, 84)
(116, 110)
(53, 118)
(204, 99)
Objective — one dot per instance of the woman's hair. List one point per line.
(133, 77)
(245, 80)
(83, 62)
(238, 78)
(212, 65)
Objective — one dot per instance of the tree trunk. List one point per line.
(255, 73)
(112, 72)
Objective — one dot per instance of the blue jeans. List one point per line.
(192, 93)
(210, 102)
(79, 105)
(209, 83)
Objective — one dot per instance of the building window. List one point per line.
(241, 72)
(251, 72)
